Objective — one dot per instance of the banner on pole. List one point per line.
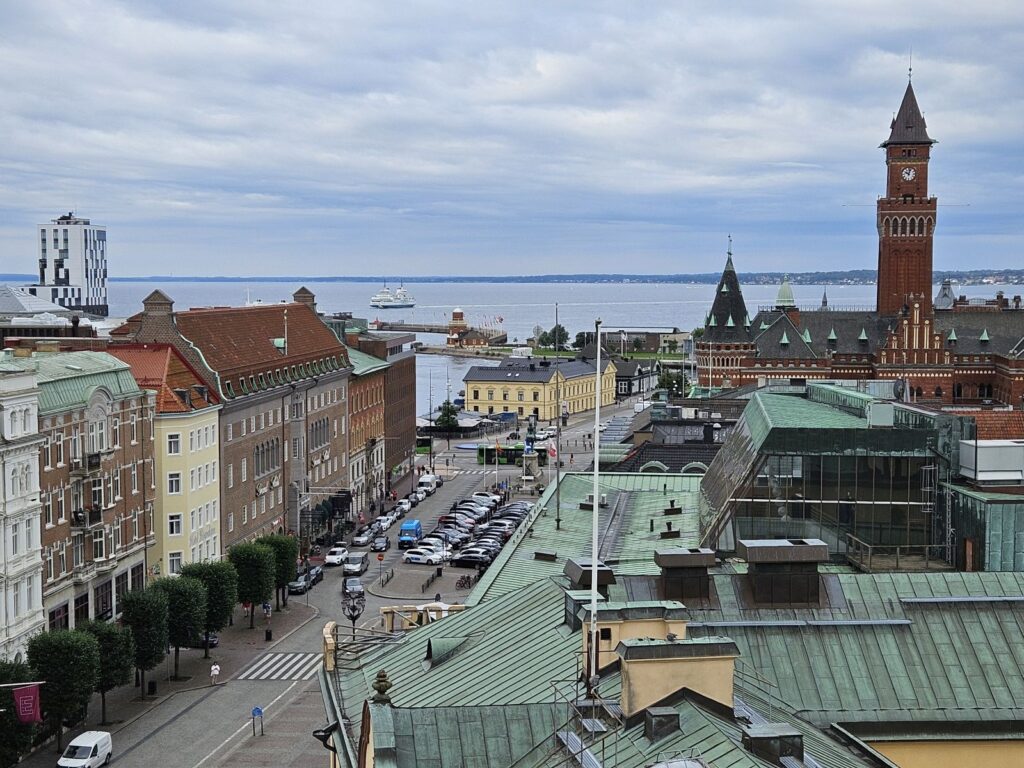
(26, 703)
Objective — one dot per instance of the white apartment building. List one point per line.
(21, 562)
(73, 264)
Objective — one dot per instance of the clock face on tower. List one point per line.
(909, 174)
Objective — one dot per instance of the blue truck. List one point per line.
(409, 534)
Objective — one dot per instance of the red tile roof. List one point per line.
(998, 425)
(159, 367)
(243, 344)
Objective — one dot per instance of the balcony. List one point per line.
(86, 465)
(105, 565)
(84, 573)
(84, 519)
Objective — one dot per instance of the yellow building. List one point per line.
(186, 456)
(528, 387)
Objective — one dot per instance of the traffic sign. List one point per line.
(380, 556)
(257, 711)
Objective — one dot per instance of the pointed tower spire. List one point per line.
(721, 325)
(908, 127)
(824, 299)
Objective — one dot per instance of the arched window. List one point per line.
(938, 391)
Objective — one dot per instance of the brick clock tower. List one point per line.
(906, 215)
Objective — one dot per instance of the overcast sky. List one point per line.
(333, 138)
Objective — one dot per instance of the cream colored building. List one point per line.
(186, 457)
(528, 387)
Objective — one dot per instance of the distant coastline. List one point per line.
(850, 277)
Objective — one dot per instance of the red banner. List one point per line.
(552, 452)
(26, 703)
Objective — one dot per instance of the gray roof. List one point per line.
(1005, 331)
(820, 324)
(727, 321)
(908, 127)
(16, 301)
(512, 370)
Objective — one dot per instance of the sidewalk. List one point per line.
(239, 645)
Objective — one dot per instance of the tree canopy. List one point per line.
(15, 736)
(256, 566)
(221, 581)
(69, 661)
(145, 611)
(286, 553)
(186, 611)
(117, 657)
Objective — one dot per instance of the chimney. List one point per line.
(577, 570)
(305, 296)
(157, 303)
(75, 320)
(639, 619)
(784, 571)
(660, 722)
(684, 573)
(655, 669)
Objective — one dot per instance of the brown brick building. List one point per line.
(95, 478)
(945, 351)
(282, 378)
(366, 435)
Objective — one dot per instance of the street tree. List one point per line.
(221, 581)
(68, 660)
(448, 420)
(672, 346)
(558, 337)
(186, 612)
(15, 736)
(145, 612)
(256, 565)
(582, 339)
(675, 382)
(638, 343)
(286, 553)
(117, 657)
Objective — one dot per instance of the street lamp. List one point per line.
(353, 606)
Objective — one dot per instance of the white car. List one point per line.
(437, 548)
(404, 505)
(489, 498)
(336, 556)
(420, 494)
(422, 556)
(383, 523)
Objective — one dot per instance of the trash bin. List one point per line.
(440, 571)
(151, 687)
(268, 635)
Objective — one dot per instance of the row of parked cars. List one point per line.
(471, 534)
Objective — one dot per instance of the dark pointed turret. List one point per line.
(727, 321)
(908, 127)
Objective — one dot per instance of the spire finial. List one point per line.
(910, 67)
(729, 251)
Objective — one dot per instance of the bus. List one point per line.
(511, 453)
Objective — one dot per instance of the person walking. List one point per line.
(214, 673)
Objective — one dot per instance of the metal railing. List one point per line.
(871, 558)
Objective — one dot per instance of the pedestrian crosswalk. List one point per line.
(283, 666)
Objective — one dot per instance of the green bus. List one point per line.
(511, 453)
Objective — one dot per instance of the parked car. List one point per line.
(438, 548)
(353, 587)
(363, 538)
(357, 563)
(214, 641)
(421, 556)
(87, 750)
(420, 494)
(405, 505)
(380, 544)
(316, 574)
(482, 551)
(383, 523)
(413, 498)
(470, 561)
(335, 556)
(300, 586)
(489, 498)
(513, 436)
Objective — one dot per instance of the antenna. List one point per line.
(729, 250)
(910, 68)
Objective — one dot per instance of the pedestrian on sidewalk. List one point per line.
(214, 673)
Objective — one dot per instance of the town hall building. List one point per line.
(946, 351)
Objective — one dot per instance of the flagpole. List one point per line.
(596, 505)
(558, 439)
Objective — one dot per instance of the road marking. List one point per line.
(243, 726)
(283, 666)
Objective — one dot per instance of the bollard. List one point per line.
(268, 635)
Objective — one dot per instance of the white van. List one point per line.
(428, 484)
(87, 750)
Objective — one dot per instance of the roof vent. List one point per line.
(547, 555)
(660, 722)
(684, 573)
(440, 649)
(784, 571)
(774, 741)
(578, 572)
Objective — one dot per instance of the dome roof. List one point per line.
(785, 297)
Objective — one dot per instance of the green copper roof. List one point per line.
(746, 320)
(807, 335)
(785, 295)
(68, 379)
(729, 323)
(952, 334)
(863, 335)
(712, 323)
(364, 364)
(785, 339)
(832, 335)
(984, 335)
(764, 326)
(725, 288)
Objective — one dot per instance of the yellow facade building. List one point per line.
(527, 387)
(186, 456)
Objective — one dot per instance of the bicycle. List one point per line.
(464, 582)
